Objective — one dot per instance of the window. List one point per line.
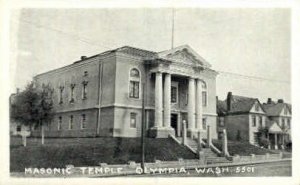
(285, 111)
(174, 93)
(85, 73)
(72, 93)
(256, 107)
(260, 121)
(61, 90)
(84, 89)
(19, 128)
(71, 122)
(289, 123)
(204, 123)
(282, 122)
(204, 94)
(134, 87)
(254, 121)
(59, 123)
(83, 121)
(132, 120)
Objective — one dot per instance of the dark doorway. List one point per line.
(174, 122)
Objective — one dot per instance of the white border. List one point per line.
(6, 6)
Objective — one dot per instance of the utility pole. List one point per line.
(143, 129)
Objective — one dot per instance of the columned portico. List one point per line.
(177, 101)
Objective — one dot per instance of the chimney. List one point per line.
(217, 99)
(229, 99)
(18, 90)
(269, 101)
(280, 101)
(83, 57)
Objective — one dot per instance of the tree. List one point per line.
(33, 107)
(263, 136)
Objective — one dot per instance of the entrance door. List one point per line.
(174, 123)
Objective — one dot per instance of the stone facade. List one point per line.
(102, 95)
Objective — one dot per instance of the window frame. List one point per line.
(84, 90)
(135, 120)
(133, 81)
(260, 121)
(256, 107)
(72, 92)
(174, 84)
(253, 120)
(71, 122)
(204, 91)
(61, 91)
(83, 121)
(59, 123)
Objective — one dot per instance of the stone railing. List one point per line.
(257, 158)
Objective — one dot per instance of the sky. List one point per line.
(243, 41)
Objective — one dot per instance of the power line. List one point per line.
(76, 37)
(173, 14)
(253, 77)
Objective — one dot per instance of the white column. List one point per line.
(191, 105)
(158, 100)
(184, 132)
(276, 145)
(167, 101)
(199, 105)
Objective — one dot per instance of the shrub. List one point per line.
(265, 142)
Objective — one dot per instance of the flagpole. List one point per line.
(173, 15)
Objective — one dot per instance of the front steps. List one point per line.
(209, 156)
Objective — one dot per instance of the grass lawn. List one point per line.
(242, 148)
(57, 153)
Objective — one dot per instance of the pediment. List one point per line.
(184, 54)
(274, 128)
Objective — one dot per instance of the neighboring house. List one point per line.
(102, 95)
(241, 117)
(279, 121)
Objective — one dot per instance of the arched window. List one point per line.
(204, 94)
(134, 86)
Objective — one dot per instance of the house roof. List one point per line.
(137, 51)
(239, 104)
(274, 109)
(221, 107)
(145, 54)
